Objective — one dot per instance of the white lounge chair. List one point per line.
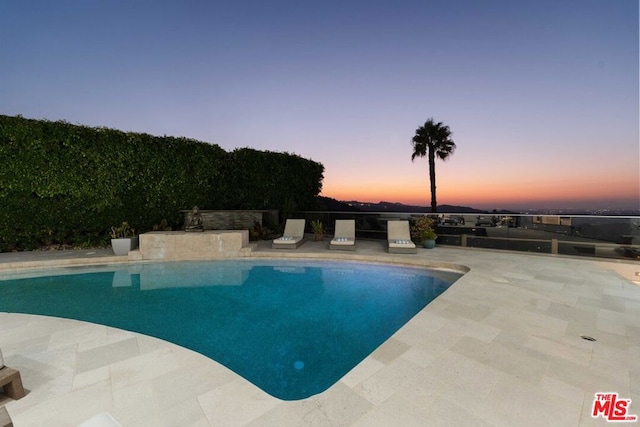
(293, 235)
(399, 238)
(344, 237)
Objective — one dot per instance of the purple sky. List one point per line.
(542, 97)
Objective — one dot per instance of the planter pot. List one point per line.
(429, 244)
(123, 246)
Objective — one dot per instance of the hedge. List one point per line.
(68, 184)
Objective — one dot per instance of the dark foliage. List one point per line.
(68, 184)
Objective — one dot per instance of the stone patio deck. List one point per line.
(501, 347)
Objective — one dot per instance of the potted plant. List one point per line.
(422, 232)
(123, 239)
(318, 230)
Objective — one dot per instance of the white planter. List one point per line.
(123, 246)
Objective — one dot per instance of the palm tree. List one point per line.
(431, 140)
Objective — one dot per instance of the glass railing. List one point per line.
(578, 235)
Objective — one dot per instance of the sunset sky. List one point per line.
(542, 97)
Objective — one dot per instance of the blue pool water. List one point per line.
(292, 328)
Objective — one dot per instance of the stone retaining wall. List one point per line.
(232, 220)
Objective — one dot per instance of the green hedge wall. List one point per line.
(265, 179)
(68, 184)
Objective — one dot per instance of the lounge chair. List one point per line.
(399, 238)
(344, 237)
(293, 235)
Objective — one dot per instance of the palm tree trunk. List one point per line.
(432, 179)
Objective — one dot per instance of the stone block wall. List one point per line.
(231, 220)
(178, 245)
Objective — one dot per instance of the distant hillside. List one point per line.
(356, 206)
(399, 207)
(330, 204)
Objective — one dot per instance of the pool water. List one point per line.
(292, 328)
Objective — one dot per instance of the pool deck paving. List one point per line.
(500, 347)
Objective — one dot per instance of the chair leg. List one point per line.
(12, 383)
(5, 419)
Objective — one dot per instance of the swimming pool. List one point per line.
(292, 328)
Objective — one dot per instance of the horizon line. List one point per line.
(519, 209)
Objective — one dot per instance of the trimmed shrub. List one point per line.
(68, 184)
